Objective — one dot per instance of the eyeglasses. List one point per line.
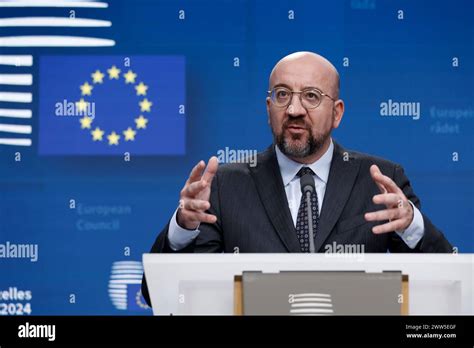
(310, 98)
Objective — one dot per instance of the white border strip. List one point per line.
(118, 286)
(33, 3)
(16, 97)
(308, 305)
(54, 41)
(311, 310)
(311, 294)
(52, 22)
(115, 297)
(126, 276)
(17, 113)
(125, 267)
(117, 291)
(16, 79)
(124, 281)
(15, 142)
(21, 60)
(15, 128)
(309, 299)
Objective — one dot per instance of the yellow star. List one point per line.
(141, 122)
(113, 138)
(145, 105)
(97, 134)
(86, 122)
(141, 89)
(129, 134)
(130, 77)
(81, 105)
(114, 73)
(97, 77)
(86, 89)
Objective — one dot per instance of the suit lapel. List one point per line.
(270, 188)
(342, 175)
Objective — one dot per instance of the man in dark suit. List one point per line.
(257, 209)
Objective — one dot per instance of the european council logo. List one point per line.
(110, 105)
(125, 286)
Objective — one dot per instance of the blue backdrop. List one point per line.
(92, 214)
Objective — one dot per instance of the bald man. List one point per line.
(355, 200)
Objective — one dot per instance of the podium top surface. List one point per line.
(321, 258)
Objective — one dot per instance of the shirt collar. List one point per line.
(289, 168)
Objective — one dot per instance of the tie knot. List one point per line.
(304, 171)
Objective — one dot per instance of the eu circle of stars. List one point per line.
(144, 104)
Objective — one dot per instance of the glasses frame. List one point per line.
(270, 92)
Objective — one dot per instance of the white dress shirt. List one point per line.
(179, 237)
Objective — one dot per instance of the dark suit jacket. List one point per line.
(253, 214)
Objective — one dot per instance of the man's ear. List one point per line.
(338, 112)
(268, 110)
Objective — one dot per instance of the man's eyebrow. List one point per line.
(281, 85)
(304, 88)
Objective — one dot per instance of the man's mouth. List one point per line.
(296, 129)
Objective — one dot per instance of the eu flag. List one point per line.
(108, 105)
(135, 300)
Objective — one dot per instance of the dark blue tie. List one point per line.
(302, 230)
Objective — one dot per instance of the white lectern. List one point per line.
(203, 284)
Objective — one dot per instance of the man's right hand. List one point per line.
(194, 197)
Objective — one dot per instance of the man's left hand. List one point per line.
(399, 211)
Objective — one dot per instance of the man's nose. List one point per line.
(295, 109)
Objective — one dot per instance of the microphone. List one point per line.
(307, 188)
